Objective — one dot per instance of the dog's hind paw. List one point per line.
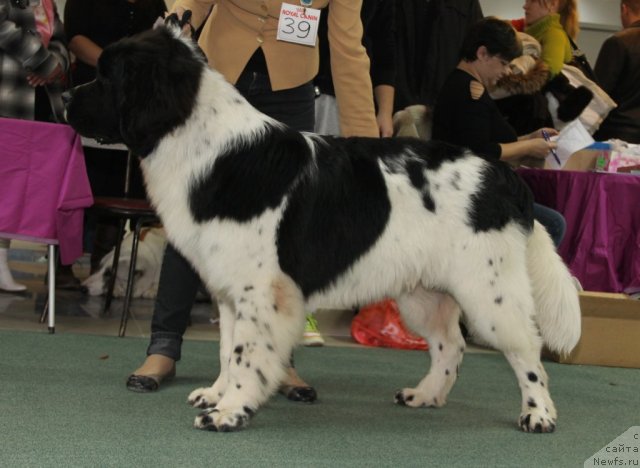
(213, 419)
(411, 397)
(205, 397)
(536, 422)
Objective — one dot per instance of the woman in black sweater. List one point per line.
(466, 115)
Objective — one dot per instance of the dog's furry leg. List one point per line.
(268, 323)
(433, 316)
(522, 345)
(499, 308)
(538, 411)
(207, 397)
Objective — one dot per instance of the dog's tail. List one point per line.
(554, 293)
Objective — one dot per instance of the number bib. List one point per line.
(298, 24)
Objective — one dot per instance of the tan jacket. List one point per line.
(236, 28)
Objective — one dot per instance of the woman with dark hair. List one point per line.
(466, 115)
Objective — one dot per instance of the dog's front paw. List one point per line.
(536, 422)
(213, 419)
(415, 399)
(205, 397)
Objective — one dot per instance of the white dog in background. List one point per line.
(147, 275)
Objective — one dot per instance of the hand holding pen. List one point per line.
(545, 135)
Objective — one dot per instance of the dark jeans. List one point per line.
(179, 282)
(552, 220)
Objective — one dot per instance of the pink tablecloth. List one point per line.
(602, 243)
(43, 185)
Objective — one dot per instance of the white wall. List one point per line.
(598, 20)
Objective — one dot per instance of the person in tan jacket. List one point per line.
(236, 29)
(239, 38)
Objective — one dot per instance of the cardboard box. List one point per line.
(610, 332)
(583, 160)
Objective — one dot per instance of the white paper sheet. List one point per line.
(573, 137)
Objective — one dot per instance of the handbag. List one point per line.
(580, 61)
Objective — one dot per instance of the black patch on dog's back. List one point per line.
(415, 171)
(502, 198)
(334, 215)
(251, 177)
(418, 157)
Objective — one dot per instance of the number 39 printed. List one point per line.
(298, 24)
(302, 27)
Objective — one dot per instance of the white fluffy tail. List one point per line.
(554, 293)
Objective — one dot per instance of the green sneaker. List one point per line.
(312, 336)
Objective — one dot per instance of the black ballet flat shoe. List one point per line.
(147, 383)
(304, 394)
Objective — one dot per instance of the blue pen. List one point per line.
(545, 135)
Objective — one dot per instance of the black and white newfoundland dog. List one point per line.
(279, 222)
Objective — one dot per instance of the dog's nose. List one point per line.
(66, 97)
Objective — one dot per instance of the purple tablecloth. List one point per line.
(602, 243)
(44, 186)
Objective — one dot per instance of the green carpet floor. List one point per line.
(63, 403)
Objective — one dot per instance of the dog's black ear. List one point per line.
(575, 102)
(160, 81)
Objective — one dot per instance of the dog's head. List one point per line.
(145, 87)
